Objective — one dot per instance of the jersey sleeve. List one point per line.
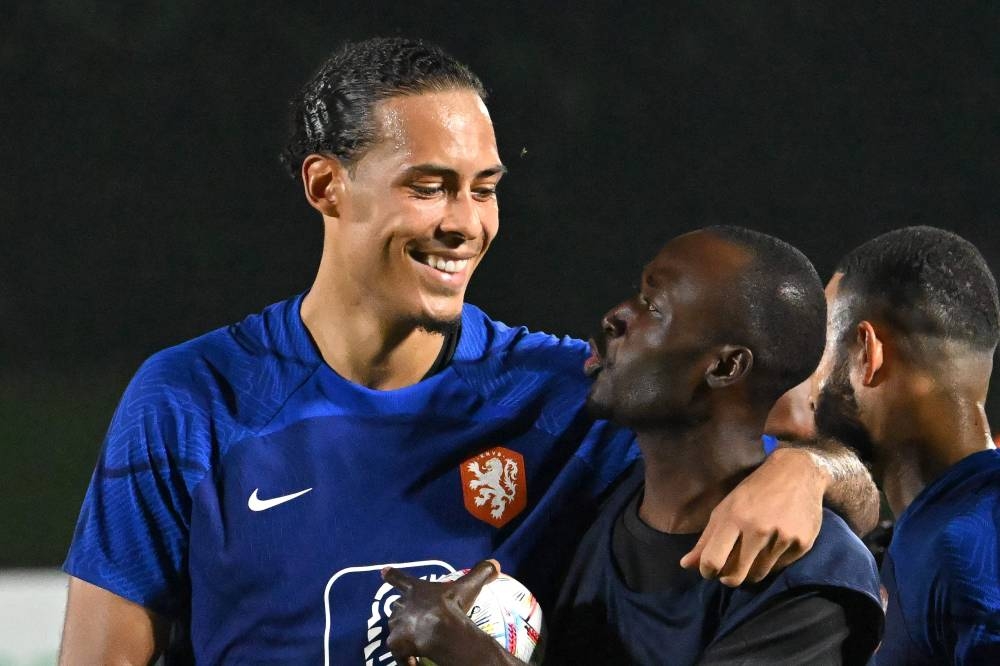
(132, 534)
(802, 626)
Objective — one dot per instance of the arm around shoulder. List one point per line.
(850, 490)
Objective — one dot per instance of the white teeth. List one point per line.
(446, 265)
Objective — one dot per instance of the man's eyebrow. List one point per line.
(492, 171)
(649, 280)
(432, 169)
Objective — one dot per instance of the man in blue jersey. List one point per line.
(913, 324)
(726, 320)
(255, 481)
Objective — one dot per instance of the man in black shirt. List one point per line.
(726, 320)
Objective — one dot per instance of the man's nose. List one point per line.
(462, 217)
(616, 320)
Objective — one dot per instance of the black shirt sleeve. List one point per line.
(804, 626)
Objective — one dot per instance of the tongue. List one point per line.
(593, 362)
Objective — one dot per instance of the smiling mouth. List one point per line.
(440, 263)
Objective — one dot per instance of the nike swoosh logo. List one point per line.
(257, 504)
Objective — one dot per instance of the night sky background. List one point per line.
(142, 201)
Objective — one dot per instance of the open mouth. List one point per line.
(594, 363)
(450, 266)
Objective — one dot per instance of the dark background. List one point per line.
(142, 202)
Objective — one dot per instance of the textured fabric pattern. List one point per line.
(942, 570)
(248, 491)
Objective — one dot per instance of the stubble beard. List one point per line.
(838, 415)
(435, 326)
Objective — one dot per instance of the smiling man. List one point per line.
(256, 480)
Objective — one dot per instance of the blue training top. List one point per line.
(253, 495)
(942, 570)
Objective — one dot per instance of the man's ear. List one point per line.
(871, 354)
(731, 365)
(323, 180)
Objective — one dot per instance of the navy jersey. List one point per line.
(248, 491)
(600, 619)
(942, 570)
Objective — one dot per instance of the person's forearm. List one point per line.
(103, 628)
(850, 490)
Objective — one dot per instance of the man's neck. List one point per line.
(364, 348)
(690, 469)
(938, 432)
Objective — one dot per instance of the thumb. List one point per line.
(399, 580)
(467, 587)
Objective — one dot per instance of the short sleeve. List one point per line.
(803, 626)
(132, 534)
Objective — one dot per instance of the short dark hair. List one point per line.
(783, 322)
(332, 114)
(922, 281)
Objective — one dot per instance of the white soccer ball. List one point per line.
(506, 610)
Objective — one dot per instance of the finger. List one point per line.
(399, 580)
(693, 556)
(467, 587)
(792, 552)
(718, 546)
(744, 555)
(402, 648)
(766, 560)
(397, 613)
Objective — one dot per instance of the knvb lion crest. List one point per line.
(493, 485)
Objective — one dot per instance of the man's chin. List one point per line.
(839, 421)
(597, 408)
(438, 315)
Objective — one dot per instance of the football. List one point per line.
(506, 610)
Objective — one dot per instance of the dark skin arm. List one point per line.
(431, 620)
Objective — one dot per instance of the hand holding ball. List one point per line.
(427, 619)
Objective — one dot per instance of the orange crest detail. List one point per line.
(494, 486)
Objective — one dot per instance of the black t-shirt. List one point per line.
(627, 600)
(447, 352)
(808, 626)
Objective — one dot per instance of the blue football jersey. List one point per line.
(252, 494)
(942, 571)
